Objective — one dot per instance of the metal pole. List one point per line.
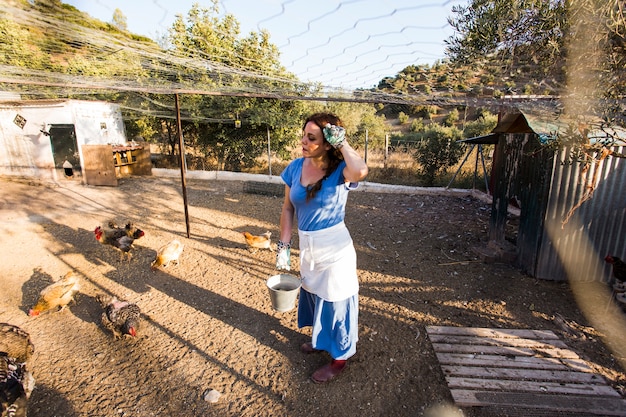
(181, 151)
(269, 152)
(461, 166)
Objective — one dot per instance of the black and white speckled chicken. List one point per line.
(16, 383)
(120, 317)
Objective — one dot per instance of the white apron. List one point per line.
(328, 263)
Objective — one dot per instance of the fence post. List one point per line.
(269, 152)
(366, 144)
(386, 150)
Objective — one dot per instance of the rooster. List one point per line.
(119, 317)
(121, 238)
(258, 242)
(16, 383)
(57, 295)
(619, 272)
(619, 267)
(168, 253)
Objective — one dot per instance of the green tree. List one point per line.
(437, 150)
(451, 118)
(119, 20)
(483, 125)
(489, 33)
(207, 36)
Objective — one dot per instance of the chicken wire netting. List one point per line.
(387, 28)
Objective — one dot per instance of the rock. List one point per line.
(211, 395)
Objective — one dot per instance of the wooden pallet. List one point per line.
(529, 369)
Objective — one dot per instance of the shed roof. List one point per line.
(490, 139)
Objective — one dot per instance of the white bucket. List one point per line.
(284, 289)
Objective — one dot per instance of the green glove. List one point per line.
(335, 135)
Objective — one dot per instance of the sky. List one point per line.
(344, 44)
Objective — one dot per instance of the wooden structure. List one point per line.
(38, 137)
(512, 369)
(105, 164)
(546, 189)
(131, 160)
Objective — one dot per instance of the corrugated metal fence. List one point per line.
(575, 248)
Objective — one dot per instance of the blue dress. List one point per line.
(329, 293)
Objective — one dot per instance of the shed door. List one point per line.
(64, 146)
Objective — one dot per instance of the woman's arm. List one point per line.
(356, 170)
(286, 218)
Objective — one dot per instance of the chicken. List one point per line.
(119, 317)
(121, 238)
(168, 253)
(619, 267)
(258, 242)
(57, 295)
(15, 342)
(16, 383)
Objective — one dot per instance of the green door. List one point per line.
(64, 146)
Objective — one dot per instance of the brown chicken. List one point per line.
(168, 253)
(15, 342)
(258, 242)
(57, 295)
(121, 238)
(16, 383)
(119, 317)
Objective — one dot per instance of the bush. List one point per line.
(438, 149)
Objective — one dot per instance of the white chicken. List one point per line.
(168, 253)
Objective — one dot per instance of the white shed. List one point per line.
(37, 137)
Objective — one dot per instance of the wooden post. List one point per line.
(386, 150)
(181, 151)
(366, 144)
(269, 152)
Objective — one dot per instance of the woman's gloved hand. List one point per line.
(283, 256)
(335, 135)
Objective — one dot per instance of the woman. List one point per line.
(316, 192)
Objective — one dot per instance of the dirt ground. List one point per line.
(208, 323)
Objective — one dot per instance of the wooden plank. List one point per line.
(491, 341)
(520, 369)
(495, 333)
(504, 350)
(531, 386)
(589, 405)
(523, 374)
(513, 361)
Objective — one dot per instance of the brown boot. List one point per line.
(329, 371)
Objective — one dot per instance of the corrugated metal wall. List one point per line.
(575, 249)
